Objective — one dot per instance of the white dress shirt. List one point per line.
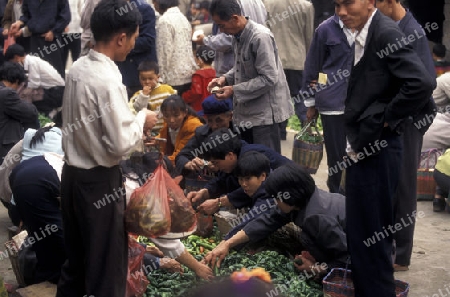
(98, 127)
(75, 16)
(41, 74)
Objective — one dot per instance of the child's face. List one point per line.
(174, 118)
(148, 78)
(227, 165)
(250, 184)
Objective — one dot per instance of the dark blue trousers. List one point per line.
(370, 189)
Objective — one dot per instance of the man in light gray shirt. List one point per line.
(98, 130)
(256, 81)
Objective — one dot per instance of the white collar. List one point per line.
(361, 36)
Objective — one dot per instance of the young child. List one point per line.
(204, 58)
(152, 94)
(180, 122)
(252, 170)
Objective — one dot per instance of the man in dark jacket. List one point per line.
(46, 21)
(388, 84)
(224, 149)
(405, 201)
(144, 48)
(218, 114)
(16, 115)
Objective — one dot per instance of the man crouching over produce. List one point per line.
(320, 215)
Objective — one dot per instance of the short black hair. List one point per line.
(111, 17)
(143, 165)
(164, 5)
(293, 179)
(148, 66)
(253, 163)
(176, 103)
(206, 54)
(439, 50)
(225, 9)
(204, 4)
(12, 72)
(221, 142)
(14, 50)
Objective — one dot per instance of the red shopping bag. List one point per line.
(8, 41)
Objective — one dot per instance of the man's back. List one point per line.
(292, 32)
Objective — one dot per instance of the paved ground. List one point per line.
(429, 273)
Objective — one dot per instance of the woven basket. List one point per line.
(308, 148)
(426, 185)
(13, 254)
(338, 283)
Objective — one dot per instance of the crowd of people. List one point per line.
(141, 81)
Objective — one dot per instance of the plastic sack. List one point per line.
(205, 225)
(148, 212)
(183, 218)
(136, 280)
(8, 41)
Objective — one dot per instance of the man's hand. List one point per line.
(150, 121)
(195, 164)
(15, 27)
(209, 207)
(170, 265)
(153, 250)
(146, 90)
(5, 32)
(308, 261)
(18, 33)
(311, 114)
(48, 36)
(199, 39)
(204, 272)
(198, 196)
(216, 82)
(224, 93)
(216, 256)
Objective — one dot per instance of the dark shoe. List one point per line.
(438, 204)
(398, 268)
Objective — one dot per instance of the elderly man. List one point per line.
(256, 81)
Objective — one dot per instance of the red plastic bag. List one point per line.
(183, 218)
(205, 225)
(136, 280)
(8, 41)
(148, 212)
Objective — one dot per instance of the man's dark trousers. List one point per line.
(95, 237)
(335, 143)
(405, 201)
(370, 189)
(49, 51)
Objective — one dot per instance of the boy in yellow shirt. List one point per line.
(152, 94)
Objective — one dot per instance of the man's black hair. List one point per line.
(253, 163)
(225, 9)
(14, 50)
(439, 50)
(204, 4)
(143, 165)
(206, 54)
(148, 66)
(12, 72)
(220, 143)
(111, 17)
(164, 5)
(293, 179)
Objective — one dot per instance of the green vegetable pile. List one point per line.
(281, 269)
(43, 120)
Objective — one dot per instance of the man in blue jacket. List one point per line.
(329, 58)
(144, 48)
(46, 21)
(224, 148)
(405, 200)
